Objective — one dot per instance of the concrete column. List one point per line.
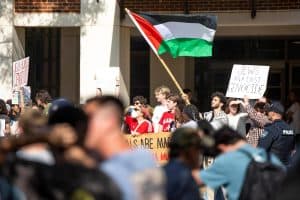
(99, 42)
(125, 64)
(69, 78)
(6, 48)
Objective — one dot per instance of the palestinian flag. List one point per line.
(180, 35)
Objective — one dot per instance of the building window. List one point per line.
(139, 68)
(43, 48)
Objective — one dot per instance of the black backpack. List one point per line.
(262, 179)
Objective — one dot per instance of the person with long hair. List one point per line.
(236, 119)
(143, 124)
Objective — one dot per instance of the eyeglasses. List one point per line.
(137, 103)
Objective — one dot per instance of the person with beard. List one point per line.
(217, 117)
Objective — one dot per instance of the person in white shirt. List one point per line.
(293, 114)
(161, 94)
(236, 119)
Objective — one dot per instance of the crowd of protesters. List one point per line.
(53, 149)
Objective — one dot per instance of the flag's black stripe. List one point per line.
(209, 21)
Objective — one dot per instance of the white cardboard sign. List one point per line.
(2, 127)
(248, 80)
(20, 72)
(108, 80)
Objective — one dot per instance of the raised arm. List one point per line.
(258, 118)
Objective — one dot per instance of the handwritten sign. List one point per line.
(2, 127)
(248, 80)
(158, 143)
(20, 72)
(15, 98)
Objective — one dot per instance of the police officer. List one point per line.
(278, 136)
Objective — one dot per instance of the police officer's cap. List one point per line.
(276, 107)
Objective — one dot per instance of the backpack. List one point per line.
(262, 179)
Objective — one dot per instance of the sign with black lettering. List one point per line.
(248, 80)
(158, 143)
(20, 72)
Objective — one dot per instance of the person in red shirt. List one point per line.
(139, 102)
(167, 121)
(143, 126)
(130, 119)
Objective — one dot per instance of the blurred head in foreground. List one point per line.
(226, 140)
(185, 145)
(105, 123)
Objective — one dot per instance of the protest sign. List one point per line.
(2, 127)
(158, 143)
(15, 98)
(108, 81)
(248, 80)
(26, 92)
(20, 72)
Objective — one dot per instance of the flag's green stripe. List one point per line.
(186, 47)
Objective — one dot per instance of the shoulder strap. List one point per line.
(246, 153)
(251, 155)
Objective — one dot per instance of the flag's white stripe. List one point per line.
(173, 30)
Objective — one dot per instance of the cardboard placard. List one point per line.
(2, 127)
(26, 95)
(108, 80)
(15, 98)
(248, 80)
(158, 143)
(20, 72)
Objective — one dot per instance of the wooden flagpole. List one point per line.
(170, 73)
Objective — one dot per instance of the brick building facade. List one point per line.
(210, 5)
(23, 6)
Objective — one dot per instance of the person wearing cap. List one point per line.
(185, 145)
(278, 136)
